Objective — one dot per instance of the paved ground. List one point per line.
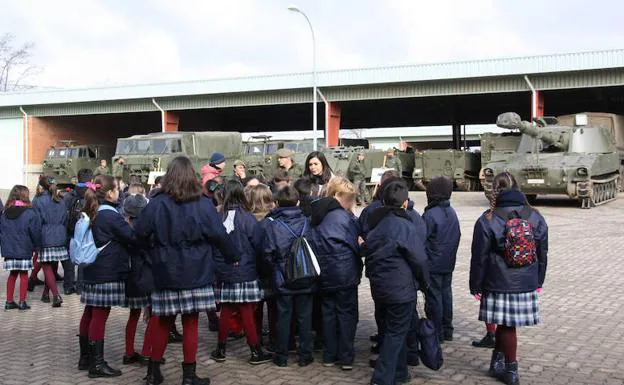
(579, 341)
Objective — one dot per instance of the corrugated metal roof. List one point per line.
(581, 61)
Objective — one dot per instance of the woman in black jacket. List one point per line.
(318, 171)
(508, 290)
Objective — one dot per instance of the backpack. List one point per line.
(302, 268)
(520, 248)
(82, 249)
(74, 214)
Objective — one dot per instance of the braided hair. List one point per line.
(501, 182)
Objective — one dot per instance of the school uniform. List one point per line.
(508, 295)
(397, 268)
(334, 239)
(20, 236)
(53, 216)
(442, 242)
(363, 219)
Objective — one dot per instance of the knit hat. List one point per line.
(439, 189)
(134, 204)
(217, 158)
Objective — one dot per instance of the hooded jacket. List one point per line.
(20, 232)
(488, 270)
(185, 236)
(240, 232)
(396, 264)
(209, 172)
(334, 239)
(443, 235)
(363, 220)
(53, 216)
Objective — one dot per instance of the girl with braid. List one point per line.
(508, 289)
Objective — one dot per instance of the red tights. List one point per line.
(491, 328)
(50, 278)
(507, 342)
(36, 267)
(246, 311)
(23, 275)
(131, 327)
(160, 336)
(93, 322)
(148, 338)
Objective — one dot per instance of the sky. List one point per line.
(86, 43)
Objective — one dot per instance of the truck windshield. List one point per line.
(147, 146)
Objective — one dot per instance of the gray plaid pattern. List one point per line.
(17, 264)
(510, 309)
(53, 254)
(240, 292)
(171, 302)
(137, 302)
(107, 294)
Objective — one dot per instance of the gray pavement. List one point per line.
(578, 342)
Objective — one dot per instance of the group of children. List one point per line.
(193, 248)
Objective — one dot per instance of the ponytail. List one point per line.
(48, 184)
(502, 181)
(95, 192)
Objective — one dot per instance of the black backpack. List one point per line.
(75, 208)
(302, 268)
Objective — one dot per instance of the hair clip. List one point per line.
(19, 204)
(93, 186)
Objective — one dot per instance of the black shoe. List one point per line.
(374, 338)
(511, 376)
(154, 376)
(304, 363)
(213, 325)
(83, 362)
(374, 349)
(45, 298)
(31, 285)
(174, 335)
(57, 301)
(10, 305)
(485, 342)
(190, 378)
(258, 356)
(135, 358)
(97, 366)
(23, 306)
(219, 353)
(280, 363)
(497, 364)
(70, 291)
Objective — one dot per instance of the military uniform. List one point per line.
(118, 169)
(295, 172)
(357, 173)
(395, 163)
(101, 171)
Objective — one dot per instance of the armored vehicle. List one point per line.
(376, 158)
(460, 166)
(578, 160)
(64, 162)
(497, 147)
(144, 154)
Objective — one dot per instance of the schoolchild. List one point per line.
(53, 214)
(286, 221)
(304, 188)
(280, 179)
(397, 268)
(20, 236)
(104, 280)
(239, 289)
(442, 242)
(334, 239)
(508, 291)
(186, 230)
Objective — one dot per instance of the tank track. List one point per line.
(598, 191)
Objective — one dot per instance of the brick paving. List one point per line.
(578, 342)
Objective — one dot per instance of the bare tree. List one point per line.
(15, 64)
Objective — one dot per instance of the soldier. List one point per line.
(393, 161)
(286, 163)
(102, 169)
(118, 168)
(357, 173)
(239, 171)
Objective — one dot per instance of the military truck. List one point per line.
(578, 160)
(151, 153)
(496, 147)
(460, 166)
(260, 153)
(63, 162)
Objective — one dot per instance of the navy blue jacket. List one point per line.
(265, 269)
(241, 238)
(113, 262)
(277, 244)
(374, 205)
(396, 264)
(443, 236)
(20, 232)
(53, 217)
(184, 236)
(334, 239)
(488, 270)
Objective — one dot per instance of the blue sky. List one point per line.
(105, 42)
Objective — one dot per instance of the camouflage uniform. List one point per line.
(395, 163)
(101, 171)
(295, 172)
(118, 169)
(357, 174)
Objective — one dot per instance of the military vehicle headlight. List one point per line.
(488, 172)
(581, 171)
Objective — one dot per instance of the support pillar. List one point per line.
(456, 136)
(171, 121)
(332, 124)
(537, 104)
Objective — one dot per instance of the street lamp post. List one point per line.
(294, 8)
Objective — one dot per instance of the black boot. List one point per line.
(154, 376)
(258, 356)
(83, 362)
(485, 342)
(190, 378)
(219, 353)
(97, 366)
(57, 301)
(511, 376)
(174, 335)
(31, 285)
(497, 364)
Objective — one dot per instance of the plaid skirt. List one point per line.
(11, 264)
(53, 254)
(240, 292)
(170, 302)
(107, 294)
(510, 309)
(137, 302)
